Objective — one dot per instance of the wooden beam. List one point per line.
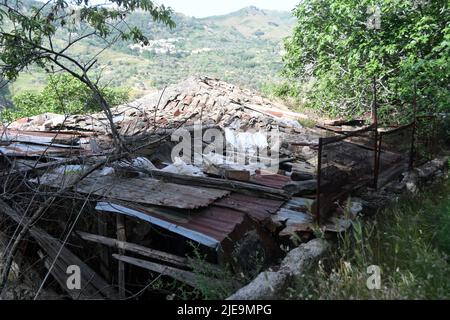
(93, 286)
(135, 248)
(184, 276)
(39, 166)
(103, 253)
(208, 182)
(121, 236)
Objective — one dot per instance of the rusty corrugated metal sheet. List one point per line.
(138, 190)
(270, 180)
(258, 208)
(30, 143)
(210, 226)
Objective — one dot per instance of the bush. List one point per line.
(333, 46)
(409, 241)
(63, 94)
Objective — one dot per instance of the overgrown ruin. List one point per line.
(128, 217)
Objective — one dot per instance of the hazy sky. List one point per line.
(204, 8)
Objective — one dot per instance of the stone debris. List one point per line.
(211, 101)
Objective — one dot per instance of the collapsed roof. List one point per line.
(211, 101)
(212, 203)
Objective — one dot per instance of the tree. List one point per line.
(28, 36)
(338, 46)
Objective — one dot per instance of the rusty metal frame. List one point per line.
(319, 178)
(378, 143)
(332, 140)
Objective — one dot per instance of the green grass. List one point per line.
(410, 242)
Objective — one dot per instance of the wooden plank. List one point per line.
(388, 175)
(236, 186)
(89, 278)
(184, 276)
(121, 236)
(301, 187)
(103, 253)
(135, 248)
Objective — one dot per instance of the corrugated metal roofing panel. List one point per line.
(270, 180)
(190, 234)
(140, 190)
(218, 221)
(258, 208)
(18, 149)
(30, 143)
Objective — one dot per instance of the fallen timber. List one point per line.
(58, 258)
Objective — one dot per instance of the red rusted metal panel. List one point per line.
(270, 180)
(218, 221)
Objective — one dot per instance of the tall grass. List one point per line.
(410, 242)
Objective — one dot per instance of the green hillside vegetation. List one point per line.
(63, 94)
(409, 241)
(242, 47)
(255, 22)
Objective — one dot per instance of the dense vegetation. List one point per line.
(63, 94)
(409, 241)
(338, 48)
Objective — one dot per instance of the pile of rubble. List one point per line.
(210, 101)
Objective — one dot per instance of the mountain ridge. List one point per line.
(243, 47)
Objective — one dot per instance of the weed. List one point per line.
(410, 242)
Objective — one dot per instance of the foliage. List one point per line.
(220, 288)
(409, 241)
(212, 282)
(333, 55)
(4, 93)
(28, 36)
(63, 94)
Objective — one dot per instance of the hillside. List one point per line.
(242, 47)
(255, 22)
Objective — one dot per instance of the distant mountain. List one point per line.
(243, 47)
(255, 22)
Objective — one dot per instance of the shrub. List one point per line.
(63, 94)
(333, 46)
(409, 241)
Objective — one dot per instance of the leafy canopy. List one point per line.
(63, 94)
(337, 48)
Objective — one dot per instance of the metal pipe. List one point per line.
(319, 173)
(375, 124)
(413, 135)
